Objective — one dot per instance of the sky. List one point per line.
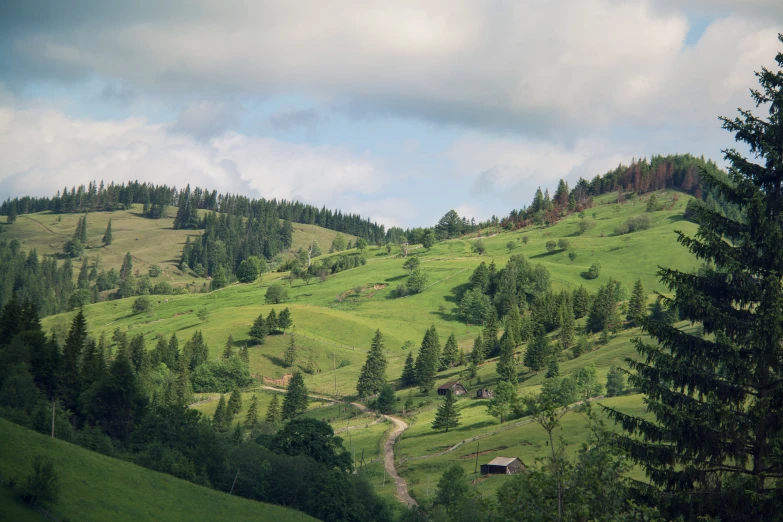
(398, 111)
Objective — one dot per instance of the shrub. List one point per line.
(276, 294)
(551, 245)
(563, 244)
(640, 222)
(221, 376)
(480, 247)
(141, 305)
(43, 484)
(619, 230)
(163, 288)
(79, 298)
(594, 271)
(154, 271)
(416, 281)
(585, 225)
(249, 270)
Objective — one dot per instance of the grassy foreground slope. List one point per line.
(95, 487)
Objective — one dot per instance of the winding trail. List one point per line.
(388, 456)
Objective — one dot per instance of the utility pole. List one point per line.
(475, 470)
(53, 404)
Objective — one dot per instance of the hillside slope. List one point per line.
(95, 487)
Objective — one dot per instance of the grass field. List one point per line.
(95, 487)
(336, 319)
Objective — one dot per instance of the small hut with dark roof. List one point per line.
(502, 466)
(456, 388)
(484, 393)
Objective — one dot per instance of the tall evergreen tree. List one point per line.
(428, 360)
(447, 416)
(219, 418)
(637, 304)
(581, 303)
(450, 352)
(289, 357)
(372, 376)
(713, 449)
(284, 320)
(273, 414)
(271, 322)
(251, 419)
(506, 366)
(477, 355)
(553, 368)
(234, 402)
(70, 382)
(490, 335)
(127, 267)
(538, 351)
(259, 330)
(228, 350)
(296, 400)
(83, 281)
(108, 237)
(408, 377)
(567, 327)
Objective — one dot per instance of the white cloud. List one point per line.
(526, 65)
(44, 150)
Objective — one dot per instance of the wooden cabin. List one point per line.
(456, 388)
(502, 466)
(484, 394)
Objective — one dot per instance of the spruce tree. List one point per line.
(506, 366)
(566, 335)
(70, 383)
(284, 320)
(428, 360)
(581, 302)
(127, 267)
(296, 400)
(234, 402)
(12, 214)
(273, 414)
(289, 357)
(244, 355)
(172, 353)
(477, 355)
(271, 322)
(408, 377)
(107, 236)
(553, 368)
(537, 352)
(228, 351)
(83, 281)
(219, 418)
(92, 365)
(372, 376)
(447, 416)
(713, 449)
(259, 330)
(251, 419)
(450, 352)
(637, 304)
(490, 335)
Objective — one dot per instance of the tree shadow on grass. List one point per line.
(547, 254)
(395, 278)
(277, 361)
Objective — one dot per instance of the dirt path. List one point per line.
(388, 456)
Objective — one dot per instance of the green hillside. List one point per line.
(335, 320)
(95, 487)
(150, 241)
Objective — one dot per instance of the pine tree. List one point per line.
(82, 230)
(259, 330)
(296, 400)
(553, 368)
(408, 377)
(234, 402)
(271, 322)
(244, 355)
(172, 353)
(251, 419)
(289, 358)
(273, 414)
(228, 351)
(284, 320)
(447, 416)
(450, 352)
(428, 360)
(567, 327)
(713, 449)
(236, 436)
(477, 355)
(490, 335)
(506, 366)
(637, 303)
(107, 236)
(219, 418)
(12, 213)
(372, 376)
(581, 303)
(92, 365)
(537, 350)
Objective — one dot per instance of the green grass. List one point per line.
(14, 510)
(336, 319)
(95, 487)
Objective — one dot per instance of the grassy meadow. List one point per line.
(336, 319)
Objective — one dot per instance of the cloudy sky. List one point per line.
(396, 110)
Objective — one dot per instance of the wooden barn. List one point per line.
(502, 466)
(484, 394)
(456, 388)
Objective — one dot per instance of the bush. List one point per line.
(619, 230)
(141, 305)
(585, 225)
(163, 288)
(416, 281)
(401, 291)
(551, 245)
(249, 270)
(640, 222)
(79, 298)
(594, 271)
(43, 484)
(563, 244)
(480, 247)
(221, 376)
(154, 271)
(276, 294)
